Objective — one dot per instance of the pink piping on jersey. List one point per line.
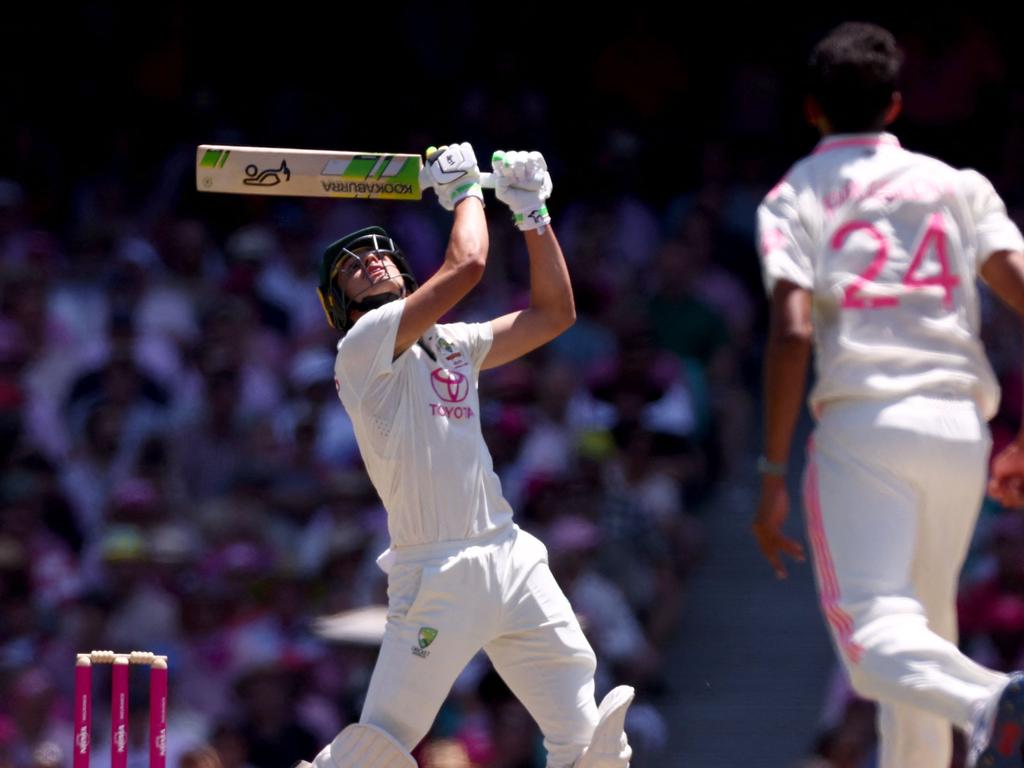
(826, 145)
(777, 188)
(839, 619)
(773, 239)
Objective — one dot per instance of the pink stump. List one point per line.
(158, 713)
(119, 714)
(83, 711)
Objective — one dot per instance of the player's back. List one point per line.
(888, 242)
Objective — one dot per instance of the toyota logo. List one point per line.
(450, 386)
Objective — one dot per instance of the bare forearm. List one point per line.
(790, 338)
(462, 269)
(550, 287)
(785, 375)
(1004, 273)
(469, 240)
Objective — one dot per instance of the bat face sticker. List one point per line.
(268, 177)
(275, 171)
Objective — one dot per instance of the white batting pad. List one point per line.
(609, 747)
(364, 746)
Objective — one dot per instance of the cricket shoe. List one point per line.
(998, 734)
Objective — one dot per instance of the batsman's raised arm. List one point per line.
(455, 177)
(523, 183)
(365, 270)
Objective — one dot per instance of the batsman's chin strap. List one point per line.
(374, 302)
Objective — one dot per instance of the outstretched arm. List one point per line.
(455, 177)
(1004, 273)
(785, 373)
(523, 183)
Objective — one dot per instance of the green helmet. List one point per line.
(336, 303)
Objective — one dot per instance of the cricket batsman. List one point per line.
(461, 575)
(871, 255)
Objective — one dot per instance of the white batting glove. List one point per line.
(453, 174)
(522, 182)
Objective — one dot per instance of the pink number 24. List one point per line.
(934, 239)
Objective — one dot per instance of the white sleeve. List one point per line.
(782, 240)
(473, 338)
(995, 229)
(368, 349)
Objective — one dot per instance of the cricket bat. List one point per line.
(311, 173)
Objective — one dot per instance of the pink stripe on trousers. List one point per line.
(837, 618)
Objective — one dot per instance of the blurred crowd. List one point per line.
(178, 476)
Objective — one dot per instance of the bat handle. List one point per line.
(486, 179)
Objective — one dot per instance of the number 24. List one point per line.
(934, 238)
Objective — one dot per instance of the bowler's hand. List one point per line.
(1007, 482)
(772, 511)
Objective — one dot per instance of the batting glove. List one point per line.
(522, 182)
(453, 173)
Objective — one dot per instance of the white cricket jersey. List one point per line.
(417, 423)
(890, 243)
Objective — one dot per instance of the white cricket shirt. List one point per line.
(890, 243)
(417, 423)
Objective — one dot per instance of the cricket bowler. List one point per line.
(870, 255)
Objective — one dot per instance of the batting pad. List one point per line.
(363, 746)
(609, 747)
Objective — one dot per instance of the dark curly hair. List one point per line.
(852, 74)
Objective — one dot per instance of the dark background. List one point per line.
(663, 127)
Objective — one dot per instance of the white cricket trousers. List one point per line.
(892, 491)
(446, 601)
